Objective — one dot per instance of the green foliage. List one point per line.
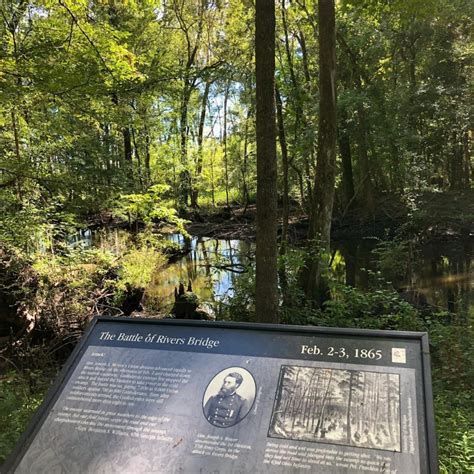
(147, 207)
(137, 267)
(64, 291)
(374, 309)
(31, 225)
(454, 425)
(379, 308)
(394, 258)
(451, 340)
(20, 396)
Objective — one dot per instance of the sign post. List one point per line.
(141, 395)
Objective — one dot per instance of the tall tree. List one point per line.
(312, 279)
(266, 254)
(202, 119)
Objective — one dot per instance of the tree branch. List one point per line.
(76, 21)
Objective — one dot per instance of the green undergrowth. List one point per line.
(21, 393)
(137, 267)
(451, 341)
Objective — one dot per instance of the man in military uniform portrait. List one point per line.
(227, 408)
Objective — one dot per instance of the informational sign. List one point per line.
(159, 396)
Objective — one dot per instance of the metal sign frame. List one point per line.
(53, 394)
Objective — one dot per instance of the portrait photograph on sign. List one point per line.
(229, 397)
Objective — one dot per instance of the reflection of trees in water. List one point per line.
(212, 265)
(448, 279)
(439, 274)
(337, 406)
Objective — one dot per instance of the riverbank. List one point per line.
(426, 216)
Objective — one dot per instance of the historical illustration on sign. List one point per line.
(229, 397)
(349, 407)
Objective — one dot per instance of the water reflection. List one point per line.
(112, 240)
(212, 266)
(439, 274)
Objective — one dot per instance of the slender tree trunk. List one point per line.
(458, 178)
(183, 122)
(366, 179)
(377, 402)
(108, 152)
(147, 149)
(147, 159)
(467, 160)
(307, 401)
(304, 55)
(323, 195)
(286, 212)
(213, 191)
(17, 151)
(224, 140)
(12, 27)
(266, 252)
(128, 154)
(389, 414)
(299, 116)
(284, 160)
(346, 158)
(183, 133)
(137, 156)
(245, 191)
(16, 136)
(202, 120)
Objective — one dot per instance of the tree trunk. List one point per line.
(299, 116)
(147, 149)
(183, 132)
(366, 172)
(17, 151)
(266, 252)
(304, 57)
(346, 158)
(202, 120)
(458, 178)
(245, 190)
(467, 160)
(128, 154)
(224, 140)
(137, 156)
(284, 160)
(286, 212)
(323, 195)
(108, 151)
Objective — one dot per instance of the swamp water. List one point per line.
(439, 274)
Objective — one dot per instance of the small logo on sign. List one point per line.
(399, 355)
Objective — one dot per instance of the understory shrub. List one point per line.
(21, 393)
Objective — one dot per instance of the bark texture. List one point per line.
(323, 193)
(266, 253)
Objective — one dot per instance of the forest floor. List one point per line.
(428, 215)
